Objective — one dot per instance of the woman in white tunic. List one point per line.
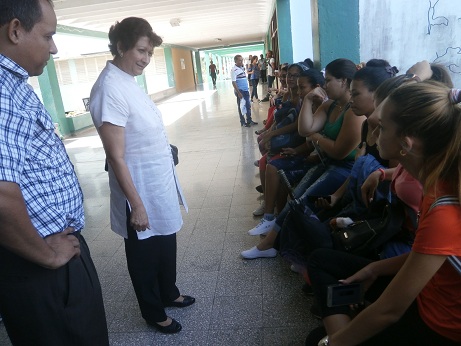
(144, 206)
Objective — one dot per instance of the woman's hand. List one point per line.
(265, 137)
(369, 187)
(316, 94)
(422, 69)
(365, 275)
(139, 219)
(323, 202)
(288, 152)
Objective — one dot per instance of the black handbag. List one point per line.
(301, 233)
(366, 236)
(174, 152)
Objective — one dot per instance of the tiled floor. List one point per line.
(239, 302)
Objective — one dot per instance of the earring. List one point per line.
(121, 54)
(403, 152)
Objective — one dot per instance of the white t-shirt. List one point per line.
(116, 98)
(270, 71)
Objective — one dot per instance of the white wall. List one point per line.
(301, 30)
(404, 32)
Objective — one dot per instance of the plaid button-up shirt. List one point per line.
(32, 156)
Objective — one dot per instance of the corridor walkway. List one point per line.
(239, 302)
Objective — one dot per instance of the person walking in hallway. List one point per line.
(213, 70)
(241, 91)
(49, 289)
(144, 187)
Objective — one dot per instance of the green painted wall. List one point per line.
(169, 66)
(284, 31)
(51, 95)
(339, 32)
(198, 67)
(141, 80)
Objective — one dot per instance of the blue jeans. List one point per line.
(270, 81)
(320, 180)
(246, 96)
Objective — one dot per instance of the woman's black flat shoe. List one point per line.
(188, 300)
(172, 328)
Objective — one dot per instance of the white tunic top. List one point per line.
(116, 98)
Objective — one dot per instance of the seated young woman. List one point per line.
(293, 102)
(292, 159)
(403, 187)
(283, 96)
(418, 300)
(342, 135)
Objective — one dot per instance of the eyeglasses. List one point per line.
(289, 75)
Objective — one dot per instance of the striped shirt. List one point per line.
(33, 156)
(239, 76)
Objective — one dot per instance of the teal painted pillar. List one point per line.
(52, 99)
(169, 66)
(284, 31)
(141, 80)
(339, 32)
(198, 67)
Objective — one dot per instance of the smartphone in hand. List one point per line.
(344, 294)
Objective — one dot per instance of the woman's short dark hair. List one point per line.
(440, 74)
(28, 12)
(128, 32)
(314, 76)
(374, 73)
(386, 87)
(342, 68)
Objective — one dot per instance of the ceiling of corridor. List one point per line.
(202, 23)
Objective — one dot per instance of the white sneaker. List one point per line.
(255, 253)
(260, 210)
(262, 227)
(295, 268)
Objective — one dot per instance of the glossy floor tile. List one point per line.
(239, 302)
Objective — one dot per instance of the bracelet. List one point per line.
(324, 342)
(382, 177)
(412, 77)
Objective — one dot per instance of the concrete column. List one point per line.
(52, 99)
(141, 80)
(169, 66)
(339, 32)
(198, 67)
(284, 31)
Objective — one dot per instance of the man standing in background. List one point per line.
(270, 73)
(263, 67)
(241, 91)
(213, 70)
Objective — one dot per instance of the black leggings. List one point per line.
(327, 266)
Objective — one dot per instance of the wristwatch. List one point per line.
(412, 76)
(324, 342)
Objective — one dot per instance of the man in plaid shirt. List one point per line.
(49, 289)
